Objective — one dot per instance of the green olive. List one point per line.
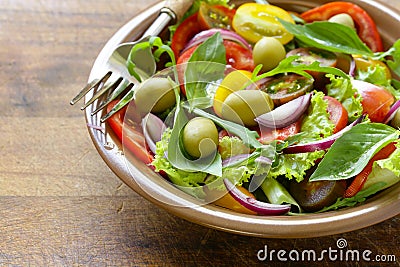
(268, 51)
(155, 95)
(200, 137)
(395, 122)
(344, 19)
(244, 106)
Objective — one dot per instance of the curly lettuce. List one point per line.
(314, 127)
(385, 170)
(345, 93)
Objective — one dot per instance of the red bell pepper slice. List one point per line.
(365, 25)
(129, 135)
(359, 181)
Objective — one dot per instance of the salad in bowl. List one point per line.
(265, 110)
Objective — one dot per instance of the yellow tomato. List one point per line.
(232, 82)
(363, 64)
(253, 21)
(224, 199)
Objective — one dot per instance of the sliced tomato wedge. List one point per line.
(130, 135)
(269, 135)
(376, 101)
(185, 32)
(365, 25)
(359, 181)
(215, 16)
(337, 113)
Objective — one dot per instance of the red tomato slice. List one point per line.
(361, 178)
(185, 31)
(376, 101)
(132, 138)
(237, 57)
(215, 16)
(337, 113)
(269, 135)
(365, 25)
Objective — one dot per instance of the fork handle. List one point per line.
(178, 7)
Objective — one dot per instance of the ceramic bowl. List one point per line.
(154, 188)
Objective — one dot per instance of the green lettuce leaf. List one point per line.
(181, 178)
(345, 93)
(314, 127)
(377, 75)
(231, 146)
(385, 170)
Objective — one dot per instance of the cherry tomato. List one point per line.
(363, 64)
(254, 21)
(232, 82)
(129, 135)
(359, 181)
(310, 55)
(284, 88)
(376, 101)
(337, 113)
(215, 16)
(185, 31)
(237, 57)
(365, 25)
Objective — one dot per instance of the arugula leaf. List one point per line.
(329, 36)
(147, 47)
(291, 64)
(351, 152)
(358, 198)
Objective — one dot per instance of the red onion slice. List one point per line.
(392, 112)
(261, 208)
(285, 114)
(320, 144)
(226, 35)
(153, 128)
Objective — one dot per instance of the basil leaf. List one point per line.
(329, 36)
(351, 152)
(176, 155)
(206, 65)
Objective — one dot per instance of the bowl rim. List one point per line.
(377, 209)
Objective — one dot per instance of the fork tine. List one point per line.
(88, 87)
(103, 90)
(122, 103)
(118, 91)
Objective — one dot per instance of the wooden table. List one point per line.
(60, 203)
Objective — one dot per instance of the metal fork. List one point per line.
(117, 80)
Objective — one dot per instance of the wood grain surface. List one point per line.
(60, 205)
